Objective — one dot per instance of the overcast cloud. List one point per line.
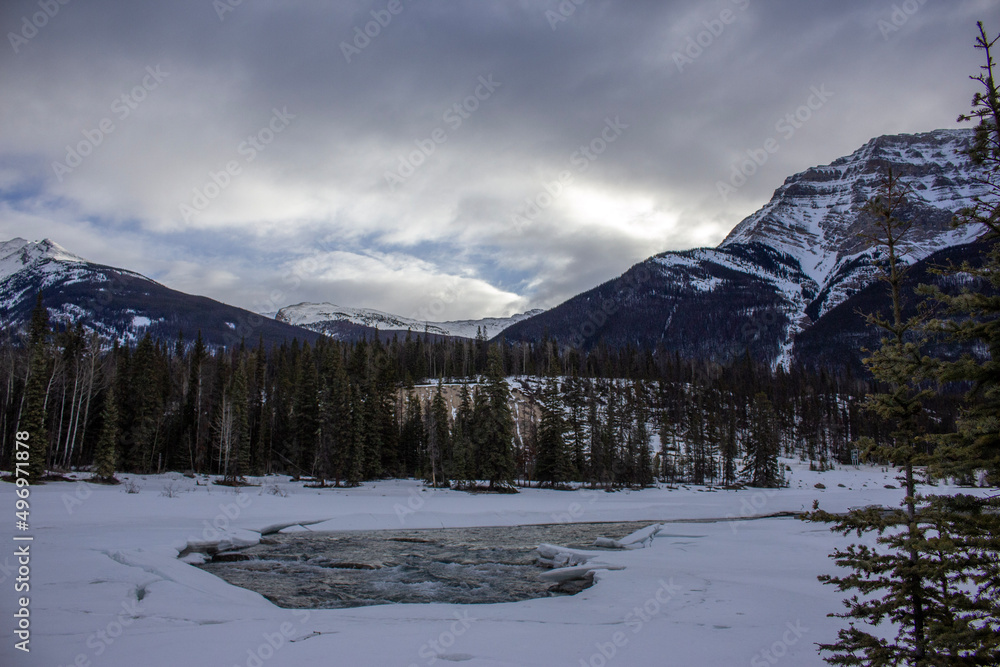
(269, 152)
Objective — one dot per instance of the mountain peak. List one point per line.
(55, 251)
(15, 244)
(813, 216)
(786, 283)
(18, 254)
(117, 304)
(31, 251)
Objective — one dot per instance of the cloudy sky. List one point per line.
(445, 159)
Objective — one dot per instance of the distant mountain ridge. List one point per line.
(785, 285)
(124, 305)
(119, 304)
(782, 269)
(327, 318)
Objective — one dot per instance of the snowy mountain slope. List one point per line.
(31, 266)
(19, 253)
(118, 304)
(782, 269)
(815, 216)
(321, 317)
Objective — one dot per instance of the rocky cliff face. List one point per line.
(784, 268)
(815, 216)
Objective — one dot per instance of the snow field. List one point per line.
(108, 587)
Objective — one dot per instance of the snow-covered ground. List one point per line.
(108, 588)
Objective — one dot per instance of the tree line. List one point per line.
(345, 412)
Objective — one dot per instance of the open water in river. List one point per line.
(452, 565)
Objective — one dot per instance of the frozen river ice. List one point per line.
(330, 570)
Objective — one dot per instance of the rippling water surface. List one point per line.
(360, 568)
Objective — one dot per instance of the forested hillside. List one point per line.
(344, 412)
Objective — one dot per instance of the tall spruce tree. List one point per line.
(238, 463)
(760, 465)
(412, 438)
(975, 313)
(334, 419)
(144, 398)
(259, 421)
(926, 570)
(106, 454)
(34, 418)
(497, 455)
(597, 464)
(194, 411)
(462, 440)
(383, 449)
(641, 438)
(963, 532)
(553, 465)
(305, 415)
(355, 463)
(613, 437)
(438, 437)
(696, 441)
(574, 390)
(478, 432)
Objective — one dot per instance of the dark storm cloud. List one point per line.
(379, 191)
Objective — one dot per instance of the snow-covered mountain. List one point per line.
(327, 318)
(785, 285)
(815, 216)
(30, 266)
(783, 270)
(116, 303)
